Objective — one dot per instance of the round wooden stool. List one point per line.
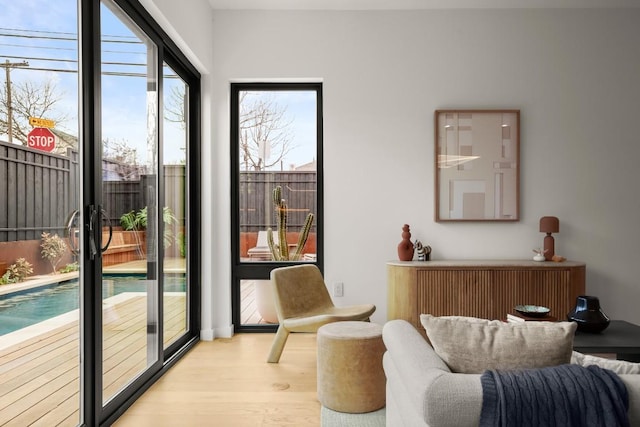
(350, 374)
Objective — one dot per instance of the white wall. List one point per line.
(574, 74)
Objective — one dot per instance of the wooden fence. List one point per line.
(34, 192)
(38, 192)
(256, 204)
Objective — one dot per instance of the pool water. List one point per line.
(26, 308)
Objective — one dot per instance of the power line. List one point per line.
(26, 36)
(39, 59)
(36, 31)
(75, 61)
(59, 32)
(104, 73)
(70, 36)
(72, 49)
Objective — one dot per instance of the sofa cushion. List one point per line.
(470, 345)
(618, 366)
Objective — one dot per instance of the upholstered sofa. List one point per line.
(422, 391)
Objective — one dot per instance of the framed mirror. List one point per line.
(477, 155)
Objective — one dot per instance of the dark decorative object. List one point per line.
(405, 247)
(588, 315)
(549, 224)
(532, 310)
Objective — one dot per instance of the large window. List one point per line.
(99, 176)
(277, 189)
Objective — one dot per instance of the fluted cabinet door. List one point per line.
(487, 289)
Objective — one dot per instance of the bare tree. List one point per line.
(175, 105)
(32, 99)
(265, 128)
(122, 159)
(265, 131)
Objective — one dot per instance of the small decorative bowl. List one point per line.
(532, 310)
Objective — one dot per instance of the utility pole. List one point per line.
(7, 67)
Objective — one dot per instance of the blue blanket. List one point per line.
(566, 395)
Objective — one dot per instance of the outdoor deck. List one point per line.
(39, 366)
(249, 314)
(249, 311)
(39, 377)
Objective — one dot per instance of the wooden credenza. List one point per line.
(488, 289)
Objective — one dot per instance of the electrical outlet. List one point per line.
(338, 289)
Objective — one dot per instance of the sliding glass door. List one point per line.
(99, 282)
(130, 282)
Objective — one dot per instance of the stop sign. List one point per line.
(41, 139)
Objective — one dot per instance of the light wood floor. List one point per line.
(227, 382)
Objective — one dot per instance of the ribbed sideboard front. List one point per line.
(488, 289)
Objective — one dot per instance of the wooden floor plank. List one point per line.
(229, 381)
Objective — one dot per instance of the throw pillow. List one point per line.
(471, 345)
(618, 366)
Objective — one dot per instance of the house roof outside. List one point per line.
(311, 166)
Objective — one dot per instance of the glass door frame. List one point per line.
(261, 270)
(93, 412)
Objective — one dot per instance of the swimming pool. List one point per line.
(25, 308)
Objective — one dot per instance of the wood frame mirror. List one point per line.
(477, 156)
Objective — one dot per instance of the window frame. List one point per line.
(261, 270)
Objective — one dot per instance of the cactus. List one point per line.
(280, 251)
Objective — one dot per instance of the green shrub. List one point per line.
(182, 244)
(74, 266)
(135, 221)
(17, 272)
(53, 248)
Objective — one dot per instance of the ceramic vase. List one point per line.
(405, 247)
(588, 315)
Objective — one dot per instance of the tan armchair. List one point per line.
(303, 304)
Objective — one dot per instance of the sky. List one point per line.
(32, 29)
(300, 110)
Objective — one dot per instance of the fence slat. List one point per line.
(256, 206)
(36, 196)
(38, 191)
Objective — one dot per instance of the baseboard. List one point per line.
(207, 335)
(226, 332)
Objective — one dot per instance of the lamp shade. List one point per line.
(549, 224)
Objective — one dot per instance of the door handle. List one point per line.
(72, 223)
(103, 215)
(95, 224)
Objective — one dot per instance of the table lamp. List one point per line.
(549, 224)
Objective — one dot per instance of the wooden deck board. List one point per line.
(13, 356)
(64, 414)
(249, 314)
(39, 378)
